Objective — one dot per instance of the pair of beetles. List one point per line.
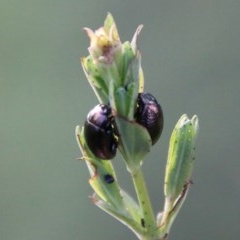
(100, 131)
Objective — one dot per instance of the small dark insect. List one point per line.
(149, 114)
(99, 132)
(109, 178)
(143, 222)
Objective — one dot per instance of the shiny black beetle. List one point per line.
(99, 132)
(149, 114)
(109, 178)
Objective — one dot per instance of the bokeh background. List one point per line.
(191, 60)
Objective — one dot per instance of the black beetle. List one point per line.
(149, 114)
(109, 178)
(99, 132)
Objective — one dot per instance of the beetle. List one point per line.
(109, 178)
(99, 132)
(149, 114)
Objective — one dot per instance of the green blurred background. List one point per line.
(191, 60)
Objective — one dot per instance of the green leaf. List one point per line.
(134, 39)
(109, 23)
(127, 57)
(134, 142)
(95, 80)
(122, 216)
(131, 206)
(181, 156)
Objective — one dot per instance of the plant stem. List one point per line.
(148, 220)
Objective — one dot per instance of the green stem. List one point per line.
(148, 220)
